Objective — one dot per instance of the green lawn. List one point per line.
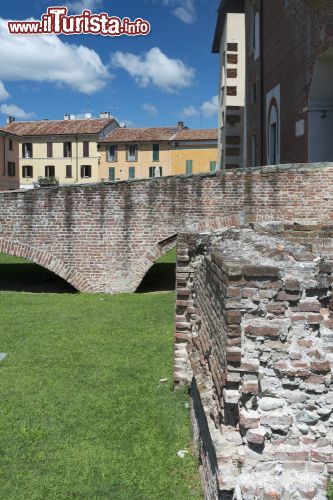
(82, 413)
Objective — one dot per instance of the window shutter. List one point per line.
(189, 166)
(85, 149)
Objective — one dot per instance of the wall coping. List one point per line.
(285, 167)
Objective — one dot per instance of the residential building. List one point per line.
(64, 149)
(9, 161)
(194, 151)
(289, 79)
(229, 42)
(128, 153)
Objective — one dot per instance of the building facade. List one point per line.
(289, 79)
(63, 149)
(128, 153)
(9, 161)
(229, 43)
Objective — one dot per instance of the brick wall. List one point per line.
(294, 35)
(104, 237)
(260, 350)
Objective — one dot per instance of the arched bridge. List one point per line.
(105, 237)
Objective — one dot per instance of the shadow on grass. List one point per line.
(27, 277)
(160, 277)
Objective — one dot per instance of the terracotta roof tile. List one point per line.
(208, 134)
(158, 134)
(140, 134)
(57, 127)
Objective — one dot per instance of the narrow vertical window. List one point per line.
(131, 172)
(212, 166)
(254, 151)
(111, 173)
(85, 149)
(189, 166)
(156, 152)
(49, 150)
(68, 171)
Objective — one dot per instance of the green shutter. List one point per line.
(189, 164)
(212, 166)
(111, 174)
(156, 152)
(131, 172)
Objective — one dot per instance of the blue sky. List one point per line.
(153, 80)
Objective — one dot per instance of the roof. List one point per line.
(226, 6)
(57, 127)
(208, 134)
(140, 134)
(159, 134)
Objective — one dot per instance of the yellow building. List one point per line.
(9, 161)
(194, 151)
(62, 149)
(128, 153)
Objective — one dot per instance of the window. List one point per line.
(156, 152)
(212, 166)
(85, 149)
(112, 174)
(50, 171)
(132, 153)
(67, 149)
(232, 91)
(10, 144)
(254, 151)
(49, 147)
(27, 150)
(85, 171)
(189, 166)
(131, 172)
(27, 171)
(11, 169)
(113, 150)
(255, 32)
(232, 47)
(155, 171)
(68, 171)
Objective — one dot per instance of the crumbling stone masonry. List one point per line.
(255, 336)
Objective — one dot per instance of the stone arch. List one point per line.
(46, 260)
(154, 253)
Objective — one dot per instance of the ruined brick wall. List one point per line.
(260, 351)
(104, 237)
(294, 34)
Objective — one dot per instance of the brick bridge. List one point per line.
(105, 237)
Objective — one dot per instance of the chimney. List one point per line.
(10, 119)
(180, 125)
(66, 117)
(104, 114)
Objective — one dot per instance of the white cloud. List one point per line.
(151, 109)
(190, 111)
(3, 92)
(183, 9)
(46, 58)
(78, 6)
(155, 68)
(209, 108)
(13, 110)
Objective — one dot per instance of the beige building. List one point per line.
(229, 42)
(63, 149)
(128, 153)
(9, 161)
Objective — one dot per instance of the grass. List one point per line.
(83, 414)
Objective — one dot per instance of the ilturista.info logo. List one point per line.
(57, 21)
